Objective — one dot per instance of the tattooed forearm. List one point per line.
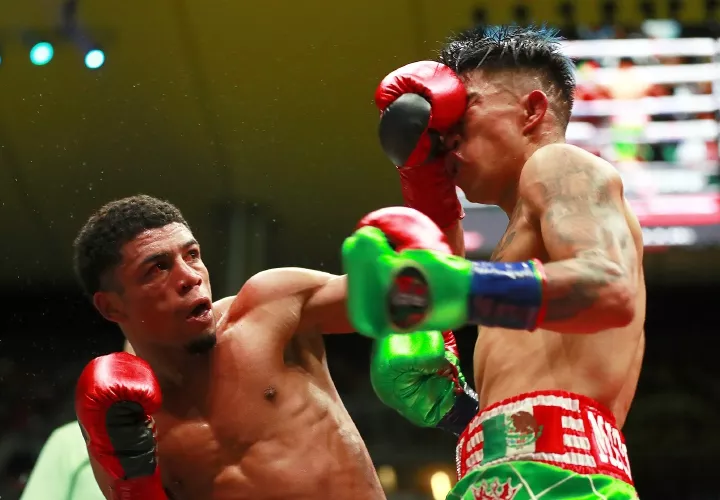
(592, 252)
(601, 259)
(576, 285)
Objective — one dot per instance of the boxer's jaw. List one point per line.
(203, 344)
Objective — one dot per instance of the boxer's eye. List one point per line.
(158, 266)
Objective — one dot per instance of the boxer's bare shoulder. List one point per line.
(312, 301)
(571, 204)
(265, 418)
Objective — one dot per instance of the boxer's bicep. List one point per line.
(318, 298)
(579, 207)
(325, 310)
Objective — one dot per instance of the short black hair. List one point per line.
(98, 244)
(503, 48)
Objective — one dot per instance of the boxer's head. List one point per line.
(137, 260)
(520, 94)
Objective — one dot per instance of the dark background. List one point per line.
(257, 121)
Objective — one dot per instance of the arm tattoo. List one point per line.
(586, 233)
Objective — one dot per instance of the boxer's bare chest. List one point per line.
(244, 421)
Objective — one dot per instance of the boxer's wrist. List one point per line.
(463, 411)
(459, 291)
(145, 487)
(507, 294)
(429, 189)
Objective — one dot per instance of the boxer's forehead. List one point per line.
(168, 239)
(491, 85)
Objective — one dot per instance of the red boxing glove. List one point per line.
(406, 228)
(419, 103)
(114, 400)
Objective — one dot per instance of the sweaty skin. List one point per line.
(263, 420)
(571, 214)
(257, 416)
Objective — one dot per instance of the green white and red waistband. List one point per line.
(555, 427)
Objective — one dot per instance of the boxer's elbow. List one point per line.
(617, 303)
(614, 291)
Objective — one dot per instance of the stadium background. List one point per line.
(257, 120)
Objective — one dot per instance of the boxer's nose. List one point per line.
(189, 279)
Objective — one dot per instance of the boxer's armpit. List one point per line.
(592, 275)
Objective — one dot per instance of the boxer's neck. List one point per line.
(174, 366)
(509, 199)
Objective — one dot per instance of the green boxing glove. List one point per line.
(418, 375)
(391, 292)
(424, 290)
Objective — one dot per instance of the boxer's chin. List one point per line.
(202, 344)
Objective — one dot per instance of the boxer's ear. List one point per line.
(535, 105)
(110, 306)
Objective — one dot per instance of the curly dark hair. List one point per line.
(513, 48)
(99, 242)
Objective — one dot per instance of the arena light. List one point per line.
(440, 485)
(388, 478)
(41, 53)
(94, 58)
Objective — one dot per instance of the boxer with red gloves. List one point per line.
(246, 393)
(562, 301)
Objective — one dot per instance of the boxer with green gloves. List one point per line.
(561, 302)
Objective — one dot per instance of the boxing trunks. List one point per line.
(548, 444)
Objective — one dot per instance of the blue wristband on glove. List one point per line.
(507, 294)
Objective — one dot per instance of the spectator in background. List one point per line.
(62, 471)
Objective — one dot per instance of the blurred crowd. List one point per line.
(666, 141)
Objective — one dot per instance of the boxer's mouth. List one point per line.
(452, 164)
(199, 308)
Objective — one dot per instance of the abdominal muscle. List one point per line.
(302, 449)
(603, 366)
